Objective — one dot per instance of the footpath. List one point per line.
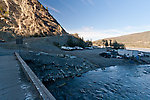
(13, 83)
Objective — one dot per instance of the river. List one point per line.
(140, 49)
(111, 83)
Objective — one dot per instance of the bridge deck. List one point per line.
(13, 83)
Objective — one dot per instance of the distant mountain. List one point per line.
(138, 40)
(27, 18)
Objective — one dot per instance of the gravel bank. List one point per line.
(50, 68)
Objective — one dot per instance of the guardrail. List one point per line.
(44, 94)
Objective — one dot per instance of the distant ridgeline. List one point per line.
(137, 40)
(27, 18)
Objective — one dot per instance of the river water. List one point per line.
(111, 83)
(140, 49)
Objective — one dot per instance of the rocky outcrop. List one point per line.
(27, 18)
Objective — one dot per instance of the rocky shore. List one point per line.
(50, 68)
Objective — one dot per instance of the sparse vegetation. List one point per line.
(117, 45)
(47, 8)
(105, 43)
(89, 43)
(113, 44)
(41, 8)
(36, 35)
(72, 42)
(6, 13)
(3, 12)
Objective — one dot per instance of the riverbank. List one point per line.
(90, 55)
(59, 64)
(45, 44)
(57, 68)
(50, 68)
(94, 57)
(65, 75)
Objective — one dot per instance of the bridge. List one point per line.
(18, 81)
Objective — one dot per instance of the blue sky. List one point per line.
(97, 19)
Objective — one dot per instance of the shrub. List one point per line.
(89, 43)
(72, 42)
(117, 45)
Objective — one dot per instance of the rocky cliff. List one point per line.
(27, 18)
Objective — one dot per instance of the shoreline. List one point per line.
(91, 56)
(50, 68)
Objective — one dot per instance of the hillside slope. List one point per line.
(138, 40)
(27, 18)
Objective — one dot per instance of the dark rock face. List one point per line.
(27, 18)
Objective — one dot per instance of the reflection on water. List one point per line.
(116, 82)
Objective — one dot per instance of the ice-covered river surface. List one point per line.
(111, 83)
